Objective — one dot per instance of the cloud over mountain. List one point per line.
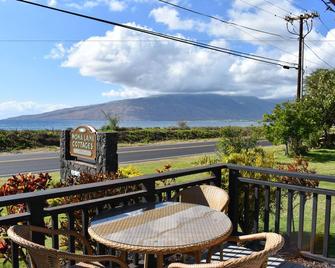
(141, 65)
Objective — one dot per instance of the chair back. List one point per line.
(206, 195)
(40, 256)
(273, 243)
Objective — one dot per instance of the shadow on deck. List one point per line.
(232, 251)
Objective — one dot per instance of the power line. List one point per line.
(325, 25)
(302, 19)
(262, 9)
(328, 7)
(279, 7)
(316, 55)
(238, 26)
(302, 8)
(222, 20)
(173, 38)
(149, 40)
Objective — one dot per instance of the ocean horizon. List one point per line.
(12, 124)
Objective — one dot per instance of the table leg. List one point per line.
(160, 261)
(197, 256)
(150, 261)
(123, 256)
(209, 256)
(146, 260)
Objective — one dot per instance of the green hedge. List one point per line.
(165, 134)
(23, 139)
(14, 140)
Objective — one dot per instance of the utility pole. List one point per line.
(303, 19)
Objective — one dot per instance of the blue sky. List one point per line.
(51, 60)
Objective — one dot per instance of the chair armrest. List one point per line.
(92, 258)
(202, 265)
(175, 198)
(64, 232)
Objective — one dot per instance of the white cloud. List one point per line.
(113, 5)
(52, 3)
(141, 65)
(57, 52)
(142, 68)
(15, 108)
(127, 93)
(171, 18)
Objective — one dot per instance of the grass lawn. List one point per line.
(323, 161)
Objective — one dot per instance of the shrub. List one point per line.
(257, 157)
(24, 183)
(86, 178)
(113, 122)
(23, 139)
(169, 181)
(21, 183)
(234, 140)
(206, 160)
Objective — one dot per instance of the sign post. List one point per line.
(84, 150)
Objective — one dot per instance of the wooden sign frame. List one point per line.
(83, 142)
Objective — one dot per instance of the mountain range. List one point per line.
(175, 107)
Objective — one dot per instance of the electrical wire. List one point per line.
(222, 20)
(262, 9)
(316, 55)
(279, 7)
(327, 4)
(232, 24)
(325, 25)
(173, 38)
(147, 40)
(327, 28)
(302, 8)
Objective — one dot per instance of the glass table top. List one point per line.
(167, 224)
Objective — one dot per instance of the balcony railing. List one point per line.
(273, 204)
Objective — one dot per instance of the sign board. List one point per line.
(83, 142)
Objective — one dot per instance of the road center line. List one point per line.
(167, 149)
(127, 152)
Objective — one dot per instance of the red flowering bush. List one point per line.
(21, 183)
(301, 165)
(24, 183)
(166, 168)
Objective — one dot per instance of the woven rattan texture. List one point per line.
(273, 243)
(42, 257)
(206, 195)
(178, 227)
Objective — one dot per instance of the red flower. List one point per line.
(3, 246)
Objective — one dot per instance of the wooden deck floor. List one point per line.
(237, 252)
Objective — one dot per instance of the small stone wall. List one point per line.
(106, 156)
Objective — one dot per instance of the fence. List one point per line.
(268, 212)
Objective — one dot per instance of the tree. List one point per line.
(112, 122)
(235, 140)
(320, 99)
(290, 124)
(182, 125)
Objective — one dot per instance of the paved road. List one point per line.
(49, 161)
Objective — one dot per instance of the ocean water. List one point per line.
(9, 124)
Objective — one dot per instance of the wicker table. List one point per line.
(162, 228)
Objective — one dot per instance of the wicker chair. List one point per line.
(207, 195)
(273, 243)
(42, 257)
